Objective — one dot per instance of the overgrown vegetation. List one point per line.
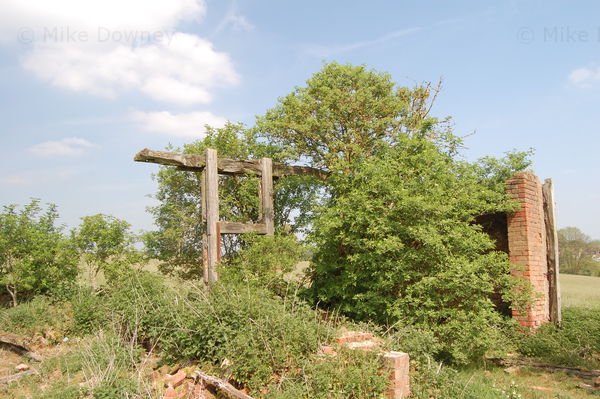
(575, 343)
(393, 241)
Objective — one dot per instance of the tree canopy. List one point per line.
(345, 112)
(35, 257)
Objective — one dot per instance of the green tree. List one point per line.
(345, 112)
(178, 240)
(106, 244)
(35, 257)
(576, 252)
(400, 246)
(396, 239)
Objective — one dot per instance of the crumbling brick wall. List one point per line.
(527, 245)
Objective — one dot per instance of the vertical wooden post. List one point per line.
(266, 168)
(203, 220)
(212, 213)
(552, 252)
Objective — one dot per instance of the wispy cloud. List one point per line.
(191, 124)
(585, 77)
(234, 20)
(69, 147)
(328, 51)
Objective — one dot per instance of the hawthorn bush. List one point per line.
(397, 244)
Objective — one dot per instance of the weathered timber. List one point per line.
(18, 344)
(552, 252)
(553, 368)
(266, 193)
(212, 213)
(18, 376)
(223, 387)
(226, 166)
(242, 228)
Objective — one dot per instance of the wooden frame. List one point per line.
(210, 166)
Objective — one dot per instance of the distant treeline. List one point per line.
(579, 254)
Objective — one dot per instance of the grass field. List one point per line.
(580, 291)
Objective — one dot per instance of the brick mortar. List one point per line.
(527, 244)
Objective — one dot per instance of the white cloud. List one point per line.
(72, 146)
(180, 69)
(113, 15)
(328, 51)
(585, 77)
(182, 125)
(115, 46)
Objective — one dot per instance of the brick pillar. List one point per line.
(397, 363)
(527, 245)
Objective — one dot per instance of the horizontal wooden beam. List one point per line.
(227, 166)
(242, 228)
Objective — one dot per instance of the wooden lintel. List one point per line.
(241, 228)
(196, 163)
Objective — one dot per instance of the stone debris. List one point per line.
(22, 367)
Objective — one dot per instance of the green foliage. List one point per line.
(38, 317)
(105, 244)
(264, 261)
(242, 332)
(89, 312)
(105, 361)
(420, 343)
(177, 242)
(259, 334)
(349, 374)
(575, 343)
(494, 172)
(34, 255)
(399, 244)
(346, 112)
(578, 253)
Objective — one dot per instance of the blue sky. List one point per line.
(83, 87)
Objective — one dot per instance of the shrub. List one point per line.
(575, 343)
(349, 374)
(38, 317)
(89, 311)
(398, 244)
(34, 255)
(264, 261)
(258, 333)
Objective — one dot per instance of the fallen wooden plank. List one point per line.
(18, 344)
(18, 376)
(222, 386)
(553, 368)
(227, 166)
(242, 228)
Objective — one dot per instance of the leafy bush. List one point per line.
(38, 317)
(259, 334)
(89, 311)
(106, 245)
(264, 261)
(34, 255)
(349, 374)
(245, 333)
(398, 243)
(575, 343)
